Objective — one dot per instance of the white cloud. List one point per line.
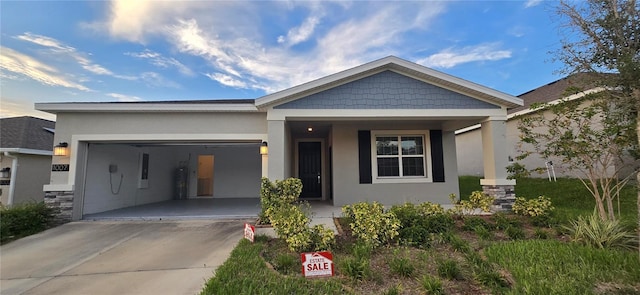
(60, 48)
(124, 98)
(156, 80)
(532, 3)
(163, 62)
(227, 80)
(227, 35)
(18, 63)
(302, 33)
(451, 57)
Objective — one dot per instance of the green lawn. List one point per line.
(569, 196)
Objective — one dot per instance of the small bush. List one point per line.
(503, 222)
(286, 263)
(275, 195)
(545, 220)
(439, 223)
(541, 234)
(514, 233)
(23, 220)
(416, 236)
(600, 233)
(483, 233)
(449, 269)
(534, 207)
(370, 224)
(458, 243)
(517, 171)
(402, 266)
(395, 290)
(361, 250)
(356, 269)
(431, 285)
(477, 200)
(473, 222)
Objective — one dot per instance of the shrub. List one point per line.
(514, 233)
(23, 220)
(275, 195)
(285, 263)
(477, 200)
(290, 221)
(370, 224)
(483, 233)
(416, 236)
(449, 269)
(458, 243)
(401, 266)
(534, 207)
(541, 234)
(439, 223)
(431, 285)
(394, 290)
(355, 268)
(594, 231)
(472, 222)
(503, 222)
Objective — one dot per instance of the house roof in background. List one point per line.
(26, 133)
(557, 89)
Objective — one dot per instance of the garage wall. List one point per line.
(101, 189)
(237, 169)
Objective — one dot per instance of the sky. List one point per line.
(97, 51)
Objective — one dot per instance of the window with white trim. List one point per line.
(400, 156)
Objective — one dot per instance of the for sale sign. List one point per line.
(317, 264)
(249, 232)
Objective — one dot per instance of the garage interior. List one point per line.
(149, 180)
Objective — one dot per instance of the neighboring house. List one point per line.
(468, 140)
(382, 131)
(26, 145)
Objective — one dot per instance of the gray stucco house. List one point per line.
(26, 145)
(382, 131)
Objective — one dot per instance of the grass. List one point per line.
(553, 267)
(568, 195)
(245, 272)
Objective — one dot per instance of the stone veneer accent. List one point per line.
(505, 196)
(62, 205)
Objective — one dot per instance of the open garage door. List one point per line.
(122, 175)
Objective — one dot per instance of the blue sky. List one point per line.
(84, 51)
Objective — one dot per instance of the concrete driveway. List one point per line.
(160, 257)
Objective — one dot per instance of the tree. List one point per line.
(590, 136)
(604, 36)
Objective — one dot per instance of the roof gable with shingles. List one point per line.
(26, 133)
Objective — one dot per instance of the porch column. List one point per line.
(277, 148)
(494, 152)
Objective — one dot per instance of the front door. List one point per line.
(310, 169)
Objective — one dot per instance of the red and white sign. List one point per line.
(249, 232)
(317, 264)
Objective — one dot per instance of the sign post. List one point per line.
(249, 232)
(317, 264)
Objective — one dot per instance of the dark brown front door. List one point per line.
(310, 169)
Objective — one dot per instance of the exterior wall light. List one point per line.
(61, 149)
(264, 148)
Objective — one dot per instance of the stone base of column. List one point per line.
(505, 196)
(62, 205)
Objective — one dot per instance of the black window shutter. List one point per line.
(364, 155)
(437, 158)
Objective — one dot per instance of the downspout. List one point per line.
(12, 180)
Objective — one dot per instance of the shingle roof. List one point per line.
(557, 89)
(26, 133)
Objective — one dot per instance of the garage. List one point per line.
(164, 179)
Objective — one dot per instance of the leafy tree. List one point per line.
(589, 136)
(604, 36)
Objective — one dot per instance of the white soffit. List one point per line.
(145, 107)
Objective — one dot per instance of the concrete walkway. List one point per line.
(124, 257)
